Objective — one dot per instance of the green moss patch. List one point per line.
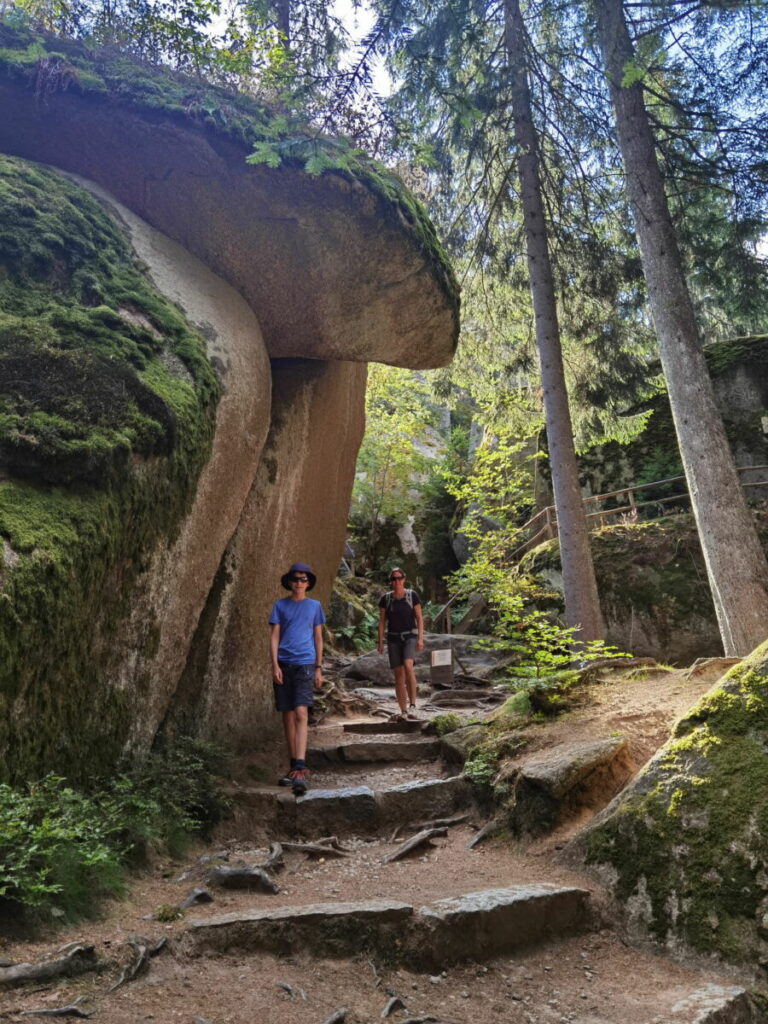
(689, 842)
(106, 418)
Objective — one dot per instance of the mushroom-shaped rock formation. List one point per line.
(340, 265)
(684, 849)
(183, 340)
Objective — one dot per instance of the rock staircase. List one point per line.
(343, 923)
(353, 795)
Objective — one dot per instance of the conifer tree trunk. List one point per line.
(582, 606)
(736, 563)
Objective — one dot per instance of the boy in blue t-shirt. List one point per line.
(296, 647)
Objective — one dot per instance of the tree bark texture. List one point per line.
(582, 605)
(736, 563)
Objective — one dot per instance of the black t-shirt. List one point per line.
(400, 616)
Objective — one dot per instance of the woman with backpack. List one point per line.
(400, 615)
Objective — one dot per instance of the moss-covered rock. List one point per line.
(740, 381)
(685, 848)
(106, 419)
(653, 586)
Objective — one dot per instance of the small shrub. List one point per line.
(447, 722)
(57, 849)
(361, 636)
(480, 768)
(168, 912)
(64, 850)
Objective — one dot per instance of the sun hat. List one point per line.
(298, 567)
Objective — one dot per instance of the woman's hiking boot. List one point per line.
(299, 781)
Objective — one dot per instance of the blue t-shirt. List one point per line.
(297, 621)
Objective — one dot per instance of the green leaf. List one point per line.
(265, 153)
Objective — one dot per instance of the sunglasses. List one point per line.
(298, 579)
(392, 578)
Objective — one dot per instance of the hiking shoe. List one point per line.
(287, 779)
(299, 781)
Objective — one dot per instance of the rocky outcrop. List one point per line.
(683, 848)
(171, 594)
(571, 779)
(652, 580)
(296, 510)
(183, 339)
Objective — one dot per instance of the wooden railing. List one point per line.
(543, 526)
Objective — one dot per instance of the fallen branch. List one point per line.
(376, 975)
(274, 861)
(72, 1010)
(437, 823)
(490, 829)
(395, 1003)
(427, 1020)
(143, 953)
(292, 992)
(243, 877)
(421, 839)
(315, 850)
(200, 863)
(78, 958)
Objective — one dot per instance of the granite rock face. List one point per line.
(684, 848)
(236, 448)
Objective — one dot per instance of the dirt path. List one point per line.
(589, 979)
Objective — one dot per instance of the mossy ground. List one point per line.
(691, 837)
(106, 418)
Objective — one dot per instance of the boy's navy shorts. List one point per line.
(297, 689)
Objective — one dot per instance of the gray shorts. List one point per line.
(400, 648)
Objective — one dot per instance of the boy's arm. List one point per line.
(317, 634)
(274, 643)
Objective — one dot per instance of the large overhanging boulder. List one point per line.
(684, 849)
(342, 264)
(160, 470)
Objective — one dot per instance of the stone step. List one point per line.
(717, 1004)
(352, 810)
(473, 926)
(384, 728)
(372, 752)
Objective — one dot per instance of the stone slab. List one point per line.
(383, 728)
(717, 1004)
(372, 752)
(329, 929)
(476, 926)
(350, 809)
(353, 810)
(423, 800)
(495, 922)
